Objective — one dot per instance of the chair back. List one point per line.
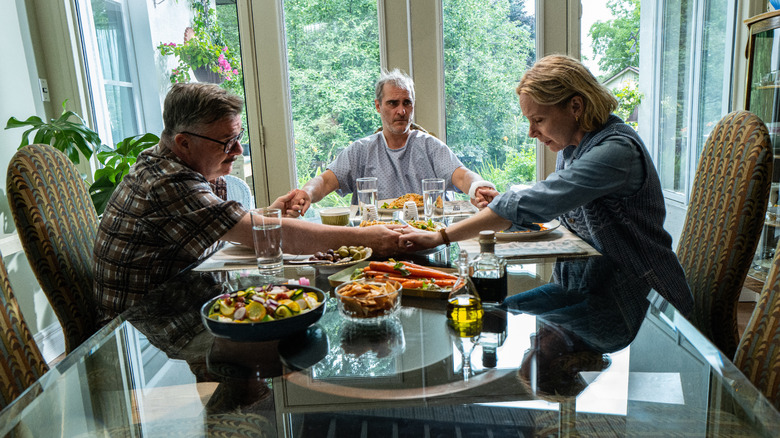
(758, 352)
(57, 224)
(724, 221)
(21, 362)
(238, 190)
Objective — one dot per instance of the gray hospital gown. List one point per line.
(398, 171)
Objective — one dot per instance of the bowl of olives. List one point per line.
(334, 260)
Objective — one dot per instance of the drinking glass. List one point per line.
(366, 188)
(267, 233)
(433, 189)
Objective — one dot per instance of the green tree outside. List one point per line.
(616, 41)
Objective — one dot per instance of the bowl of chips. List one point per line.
(368, 301)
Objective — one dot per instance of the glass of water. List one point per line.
(366, 188)
(267, 233)
(433, 190)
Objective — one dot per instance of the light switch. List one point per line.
(44, 89)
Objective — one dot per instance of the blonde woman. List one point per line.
(605, 189)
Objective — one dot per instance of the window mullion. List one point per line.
(694, 76)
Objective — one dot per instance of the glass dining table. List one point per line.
(558, 362)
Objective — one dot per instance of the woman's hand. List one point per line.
(383, 240)
(412, 239)
(483, 196)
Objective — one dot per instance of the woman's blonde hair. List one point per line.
(555, 79)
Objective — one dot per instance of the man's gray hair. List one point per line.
(396, 78)
(193, 104)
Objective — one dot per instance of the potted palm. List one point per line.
(69, 134)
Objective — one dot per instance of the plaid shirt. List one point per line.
(163, 217)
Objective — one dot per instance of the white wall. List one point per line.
(19, 97)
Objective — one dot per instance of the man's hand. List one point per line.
(382, 239)
(291, 203)
(483, 196)
(300, 202)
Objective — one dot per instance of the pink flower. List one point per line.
(225, 49)
(235, 71)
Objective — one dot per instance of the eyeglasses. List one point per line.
(229, 145)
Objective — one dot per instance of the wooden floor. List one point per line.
(744, 310)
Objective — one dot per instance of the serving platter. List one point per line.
(513, 236)
(345, 275)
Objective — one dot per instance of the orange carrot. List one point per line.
(424, 271)
(412, 284)
(387, 267)
(444, 282)
(409, 270)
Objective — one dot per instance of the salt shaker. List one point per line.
(410, 211)
(370, 213)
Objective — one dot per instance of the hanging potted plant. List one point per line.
(203, 51)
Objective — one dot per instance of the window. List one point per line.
(694, 73)
(129, 74)
(112, 80)
(488, 46)
(333, 62)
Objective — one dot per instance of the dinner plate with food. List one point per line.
(535, 230)
(333, 260)
(397, 204)
(429, 225)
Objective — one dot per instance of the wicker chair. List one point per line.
(238, 190)
(57, 224)
(724, 221)
(21, 363)
(758, 353)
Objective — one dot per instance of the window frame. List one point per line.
(144, 89)
(653, 25)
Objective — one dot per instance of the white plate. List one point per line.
(391, 210)
(236, 252)
(331, 267)
(508, 236)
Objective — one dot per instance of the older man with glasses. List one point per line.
(171, 209)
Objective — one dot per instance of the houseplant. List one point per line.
(69, 134)
(203, 51)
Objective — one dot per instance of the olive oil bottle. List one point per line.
(464, 307)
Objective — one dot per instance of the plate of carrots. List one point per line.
(416, 280)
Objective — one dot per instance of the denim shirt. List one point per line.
(606, 191)
(612, 168)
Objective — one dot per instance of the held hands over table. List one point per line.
(383, 239)
(300, 202)
(412, 239)
(483, 196)
(291, 203)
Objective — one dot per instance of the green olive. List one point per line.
(343, 252)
